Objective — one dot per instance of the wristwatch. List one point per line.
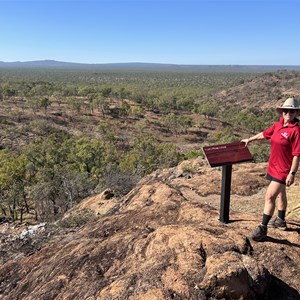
(293, 173)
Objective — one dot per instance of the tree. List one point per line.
(44, 103)
(210, 109)
(8, 91)
(13, 183)
(75, 104)
(106, 131)
(106, 92)
(170, 122)
(223, 136)
(100, 102)
(148, 154)
(125, 109)
(123, 93)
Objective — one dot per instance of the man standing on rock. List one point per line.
(283, 164)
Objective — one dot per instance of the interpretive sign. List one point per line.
(226, 155)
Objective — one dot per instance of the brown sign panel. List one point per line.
(227, 154)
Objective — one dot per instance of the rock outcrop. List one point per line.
(163, 240)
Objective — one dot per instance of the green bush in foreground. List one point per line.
(54, 173)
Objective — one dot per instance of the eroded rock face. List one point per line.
(163, 241)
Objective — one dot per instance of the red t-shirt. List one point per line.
(285, 144)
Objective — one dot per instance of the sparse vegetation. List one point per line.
(66, 134)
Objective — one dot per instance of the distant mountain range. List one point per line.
(136, 66)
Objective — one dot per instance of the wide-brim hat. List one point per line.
(289, 103)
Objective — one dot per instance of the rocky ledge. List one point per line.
(163, 240)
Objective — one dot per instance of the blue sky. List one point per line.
(199, 32)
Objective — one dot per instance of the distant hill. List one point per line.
(140, 66)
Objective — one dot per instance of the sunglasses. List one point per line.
(291, 111)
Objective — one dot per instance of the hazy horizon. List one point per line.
(135, 62)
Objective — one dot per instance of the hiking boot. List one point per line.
(278, 223)
(259, 233)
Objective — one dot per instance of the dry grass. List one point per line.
(293, 210)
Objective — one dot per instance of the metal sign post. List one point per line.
(225, 155)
